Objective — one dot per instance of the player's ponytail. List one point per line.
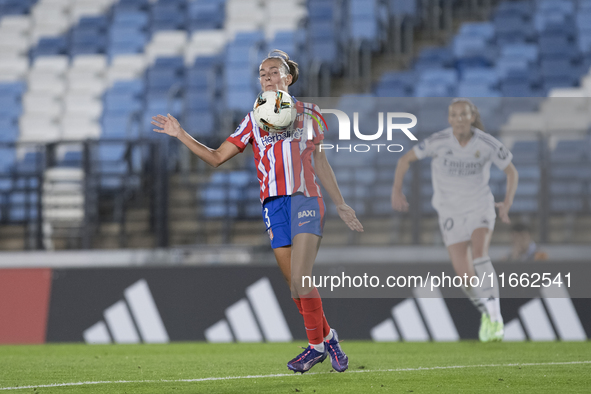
(474, 109)
(290, 66)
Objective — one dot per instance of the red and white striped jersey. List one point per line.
(283, 160)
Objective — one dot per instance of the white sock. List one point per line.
(319, 347)
(489, 295)
(329, 336)
(475, 299)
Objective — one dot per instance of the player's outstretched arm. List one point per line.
(329, 181)
(399, 202)
(214, 157)
(512, 181)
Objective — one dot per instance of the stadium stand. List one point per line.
(75, 71)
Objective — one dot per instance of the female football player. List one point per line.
(462, 156)
(293, 207)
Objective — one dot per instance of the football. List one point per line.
(274, 112)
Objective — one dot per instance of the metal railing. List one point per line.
(140, 183)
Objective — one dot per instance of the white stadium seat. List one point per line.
(91, 109)
(43, 105)
(85, 9)
(13, 44)
(38, 129)
(136, 62)
(57, 64)
(15, 23)
(205, 43)
(17, 65)
(94, 87)
(76, 132)
(47, 83)
(121, 74)
(95, 63)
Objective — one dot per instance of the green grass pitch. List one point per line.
(461, 367)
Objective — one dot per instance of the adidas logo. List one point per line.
(410, 323)
(564, 322)
(143, 324)
(420, 319)
(240, 323)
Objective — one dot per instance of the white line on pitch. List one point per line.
(281, 375)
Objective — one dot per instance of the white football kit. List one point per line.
(460, 175)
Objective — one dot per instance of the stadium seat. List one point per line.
(528, 52)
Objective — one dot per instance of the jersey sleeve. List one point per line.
(242, 136)
(501, 156)
(424, 148)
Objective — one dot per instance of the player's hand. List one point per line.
(167, 125)
(399, 202)
(348, 215)
(504, 211)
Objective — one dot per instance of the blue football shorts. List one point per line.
(287, 216)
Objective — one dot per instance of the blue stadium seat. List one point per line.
(582, 20)
(524, 205)
(522, 8)
(470, 46)
(133, 87)
(239, 178)
(15, 7)
(404, 7)
(119, 125)
(134, 5)
(19, 214)
(584, 42)
(476, 90)
(324, 50)
(444, 76)
(163, 78)
(9, 130)
(482, 76)
(100, 22)
(120, 48)
(553, 22)
(206, 62)
(556, 45)
(434, 57)
(205, 14)
(442, 55)
(239, 77)
(7, 160)
(321, 9)
(197, 79)
(16, 88)
(246, 38)
(363, 21)
(365, 28)
(525, 51)
(49, 46)
(215, 210)
(558, 67)
(197, 101)
(167, 16)
(176, 63)
(72, 158)
(10, 107)
(527, 152)
(135, 19)
(556, 7)
(200, 123)
(485, 30)
(512, 28)
(122, 103)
